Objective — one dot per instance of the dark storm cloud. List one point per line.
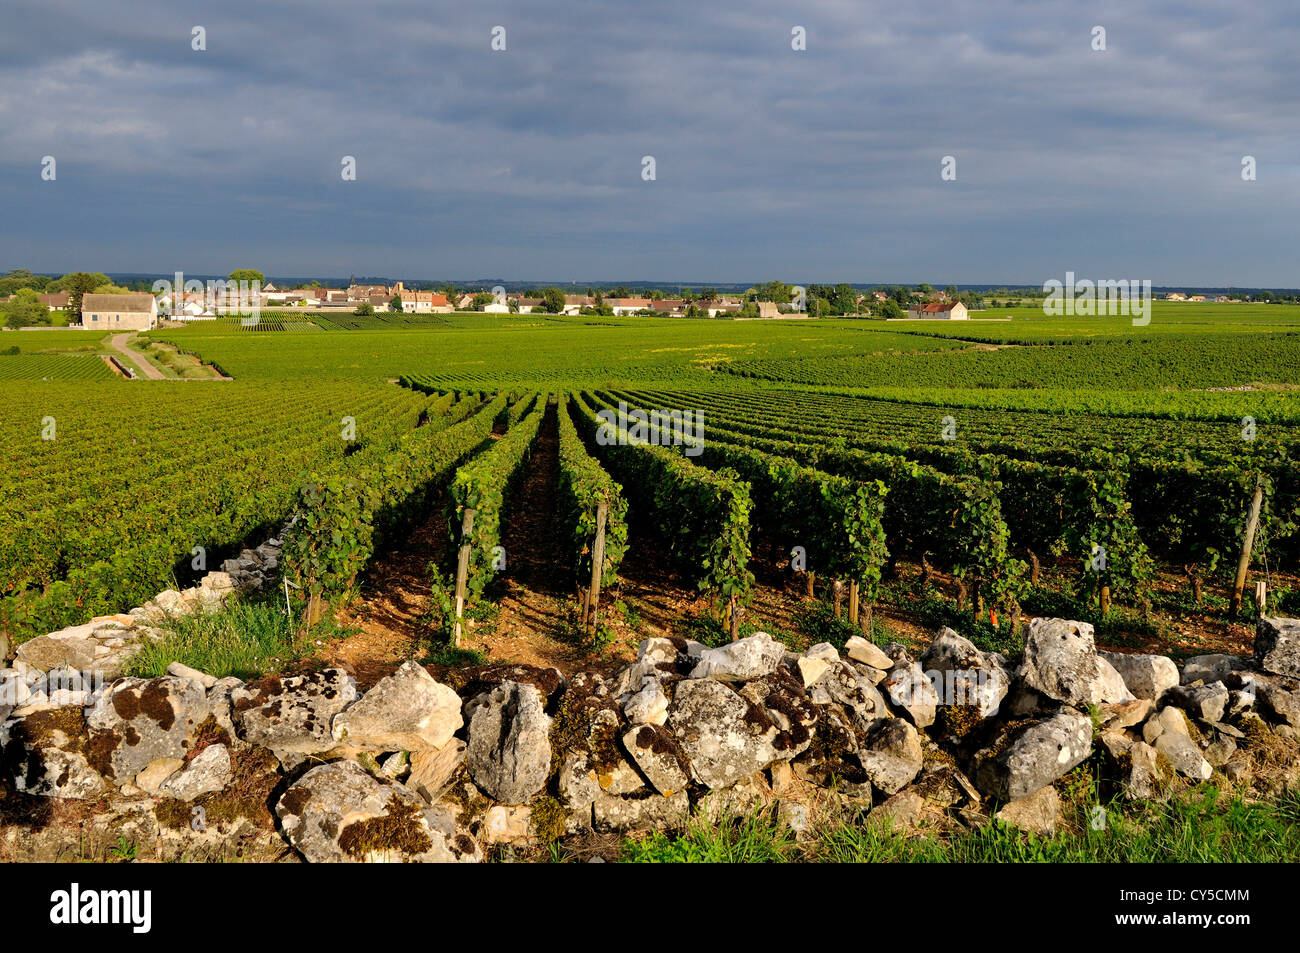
(816, 165)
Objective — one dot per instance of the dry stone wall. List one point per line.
(433, 765)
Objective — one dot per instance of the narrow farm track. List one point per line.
(118, 343)
(535, 595)
(390, 610)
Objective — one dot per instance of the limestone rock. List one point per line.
(509, 754)
(506, 825)
(970, 676)
(1181, 752)
(1281, 698)
(209, 771)
(576, 782)
(890, 755)
(142, 720)
(1167, 719)
(655, 752)
(1038, 813)
(1109, 687)
(1147, 676)
(1277, 646)
(338, 813)
(649, 706)
(292, 715)
(749, 658)
(406, 711)
(1211, 668)
(1033, 757)
(1146, 775)
(911, 692)
(720, 734)
(842, 684)
(1206, 702)
(1060, 661)
(47, 753)
(432, 768)
(649, 812)
(868, 653)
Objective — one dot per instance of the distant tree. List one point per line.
(777, 291)
(248, 274)
(890, 310)
(77, 284)
(111, 289)
(396, 303)
(924, 288)
(553, 300)
(25, 310)
(365, 309)
(21, 278)
(481, 300)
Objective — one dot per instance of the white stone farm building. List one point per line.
(128, 312)
(938, 311)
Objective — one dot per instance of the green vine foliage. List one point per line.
(342, 517)
(839, 522)
(703, 515)
(584, 485)
(483, 485)
(229, 513)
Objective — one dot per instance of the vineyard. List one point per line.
(895, 472)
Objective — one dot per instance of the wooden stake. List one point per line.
(1034, 567)
(809, 578)
(853, 602)
(1243, 564)
(597, 565)
(733, 618)
(1104, 599)
(1261, 596)
(462, 570)
(837, 596)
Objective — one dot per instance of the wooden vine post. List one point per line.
(733, 617)
(592, 602)
(853, 602)
(462, 571)
(1247, 543)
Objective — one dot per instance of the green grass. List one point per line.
(1202, 826)
(246, 638)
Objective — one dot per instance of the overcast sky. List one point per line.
(808, 166)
